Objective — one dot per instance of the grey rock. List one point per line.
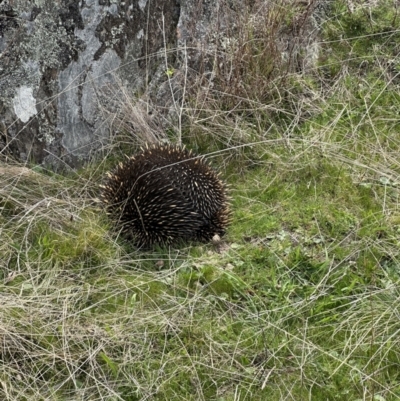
(58, 62)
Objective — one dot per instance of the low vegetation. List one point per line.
(301, 301)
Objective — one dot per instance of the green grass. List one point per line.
(302, 299)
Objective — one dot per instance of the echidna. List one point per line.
(165, 194)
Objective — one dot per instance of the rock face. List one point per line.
(57, 59)
(66, 65)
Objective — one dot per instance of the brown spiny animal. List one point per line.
(165, 194)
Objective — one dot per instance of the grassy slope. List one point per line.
(302, 304)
